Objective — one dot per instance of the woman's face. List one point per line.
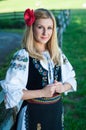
(42, 30)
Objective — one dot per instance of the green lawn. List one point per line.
(18, 5)
(74, 44)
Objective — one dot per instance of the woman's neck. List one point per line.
(41, 47)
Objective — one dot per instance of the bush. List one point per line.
(11, 23)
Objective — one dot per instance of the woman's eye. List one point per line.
(39, 27)
(49, 27)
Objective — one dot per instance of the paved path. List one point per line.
(8, 42)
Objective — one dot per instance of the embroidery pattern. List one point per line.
(45, 100)
(27, 119)
(62, 118)
(65, 60)
(38, 126)
(50, 67)
(56, 71)
(20, 58)
(16, 65)
(42, 71)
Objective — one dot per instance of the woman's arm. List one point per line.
(68, 75)
(29, 94)
(16, 78)
(47, 91)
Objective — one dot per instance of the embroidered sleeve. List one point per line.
(68, 73)
(16, 79)
(18, 62)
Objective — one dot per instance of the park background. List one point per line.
(74, 39)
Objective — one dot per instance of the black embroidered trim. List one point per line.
(42, 71)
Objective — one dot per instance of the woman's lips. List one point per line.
(44, 38)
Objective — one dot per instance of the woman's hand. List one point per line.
(61, 88)
(49, 90)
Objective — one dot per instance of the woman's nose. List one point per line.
(44, 31)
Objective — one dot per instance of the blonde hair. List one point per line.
(52, 45)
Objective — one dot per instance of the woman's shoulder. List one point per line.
(21, 52)
(21, 55)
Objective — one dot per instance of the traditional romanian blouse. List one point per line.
(17, 75)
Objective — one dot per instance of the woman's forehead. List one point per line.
(42, 21)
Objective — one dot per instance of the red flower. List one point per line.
(29, 17)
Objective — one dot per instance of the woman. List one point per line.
(39, 74)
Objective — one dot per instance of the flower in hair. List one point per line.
(29, 17)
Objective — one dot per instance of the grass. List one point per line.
(17, 5)
(74, 47)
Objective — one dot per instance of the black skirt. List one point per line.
(44, 116)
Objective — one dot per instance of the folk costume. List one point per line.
(29, 73)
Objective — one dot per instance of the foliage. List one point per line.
(15, 19)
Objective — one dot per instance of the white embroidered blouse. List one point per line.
(17, 75)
